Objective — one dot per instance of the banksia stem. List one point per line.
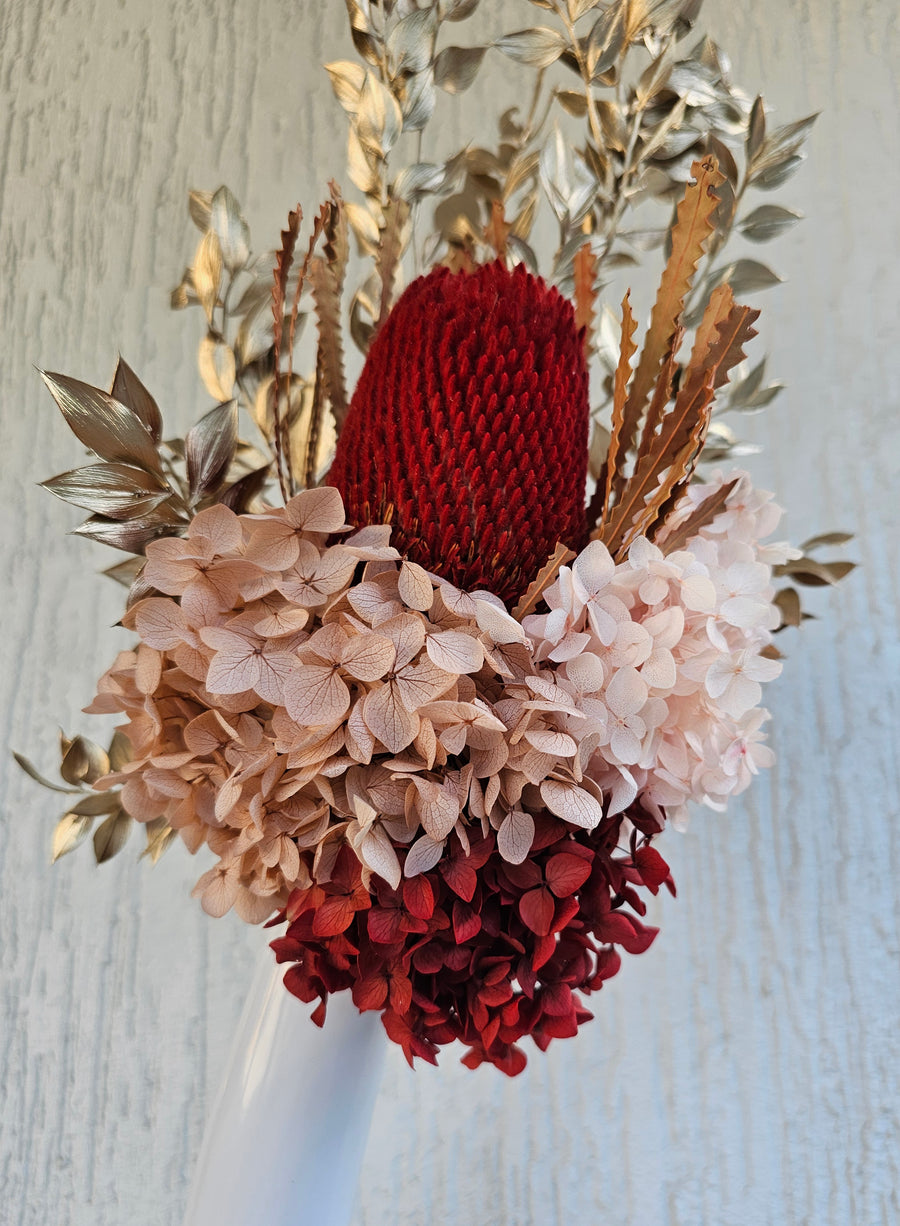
(468, 429)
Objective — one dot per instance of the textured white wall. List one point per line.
(745, 1070)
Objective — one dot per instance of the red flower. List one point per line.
(477, 949)
(468, 429)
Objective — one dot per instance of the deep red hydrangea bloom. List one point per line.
(478, 949)
(468, 429)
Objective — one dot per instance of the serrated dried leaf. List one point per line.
(206, 273)
(692, 228)
(128, 390)
(231, 229)
(457, 67)
(209, 449)
(117, 491)
(70, 831)
(539, 46)
(110, 836)
(624, 423)
(542, 580)
(702, 515)
(110, 429)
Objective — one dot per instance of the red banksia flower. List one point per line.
(468, 430)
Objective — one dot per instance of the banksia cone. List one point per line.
(468, 430)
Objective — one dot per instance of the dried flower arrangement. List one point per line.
(432, 711)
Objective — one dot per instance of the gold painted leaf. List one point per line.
(160, 835)
(110, 429)
(207, 272)
(767, 222)
(128, 390)
(120, 751)
(826, 538)
(217, 368)
(96, 804)
(84, 762)
(110, 836)
(457, 67)
(199, 207)
(231, 229)
(347, 80)
(33, 773)
(118, 491)
(539, 46)
(411, 41)
(70, 831)
(209, 448)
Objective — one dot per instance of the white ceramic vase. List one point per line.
(285, 1137)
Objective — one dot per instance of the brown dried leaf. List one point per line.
(702, 515)
(542, 580)
(623, 427)
(787, 602)
(585, 294)
(692, 228)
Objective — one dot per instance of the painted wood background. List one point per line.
(745, 1070)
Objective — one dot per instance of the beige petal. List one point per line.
(571, 803)
(423, 855)
(388, 719)
(421, 683)
(315, 696)
(415, 587)
(515, 836)
(318, 510)
(377, 852)
(455, 652)
(368, 657)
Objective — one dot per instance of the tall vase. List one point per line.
(285, 1137)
